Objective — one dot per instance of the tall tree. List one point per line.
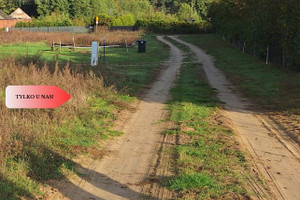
(7, 6)
(46, 7)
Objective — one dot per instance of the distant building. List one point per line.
(13, 18)
(19, 14)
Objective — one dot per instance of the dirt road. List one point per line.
(124, 173)
(276, 156)
(129, 172)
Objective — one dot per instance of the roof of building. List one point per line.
(3, 15)
(19, 14)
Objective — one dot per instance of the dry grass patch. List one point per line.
(37, 145)
(112, 37)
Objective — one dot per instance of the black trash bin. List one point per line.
(141, 46)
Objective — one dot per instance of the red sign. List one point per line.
(21, 96)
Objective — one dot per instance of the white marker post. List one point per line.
(95, 51)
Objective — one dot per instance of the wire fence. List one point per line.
(71, 29)
(270, 55)
(123, 28)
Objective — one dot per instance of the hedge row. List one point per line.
(175, 26)
(40, 23)
(157, 26)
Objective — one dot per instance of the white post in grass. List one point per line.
(94, 55)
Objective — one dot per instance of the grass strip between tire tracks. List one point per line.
(209, 163)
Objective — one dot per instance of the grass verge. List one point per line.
(266, 85)
(209, 163)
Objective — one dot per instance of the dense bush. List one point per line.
(124, 20)
(160, 26)
(104, 20)
(55, 19)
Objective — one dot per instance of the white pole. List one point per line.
(267, 57)
(126, 46)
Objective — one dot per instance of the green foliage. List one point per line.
(202, 7)
(124, 20)
(271, 23)
(186, 12)
(7, 6)
(54, 19)
(139, 9)
(105, 20)
(120, 13)
(46, 7)
(191, 181)
(162, 26)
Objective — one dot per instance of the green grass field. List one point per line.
(42, 51)
(127, 70)
(137, 69)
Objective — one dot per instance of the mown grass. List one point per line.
(266, 85)
(139, 69)
(38, 145)
(40, 52)
(209, 163)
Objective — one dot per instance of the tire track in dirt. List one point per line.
(276, 158)
(127, 172)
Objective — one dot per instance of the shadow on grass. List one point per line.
(46, 165)
(10, 190)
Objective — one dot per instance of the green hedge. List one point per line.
(41, 23)
(159, 26)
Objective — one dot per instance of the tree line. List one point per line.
(271, 23)
(84, 11)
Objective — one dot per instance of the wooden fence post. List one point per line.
(52, 46)
(74, 45)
